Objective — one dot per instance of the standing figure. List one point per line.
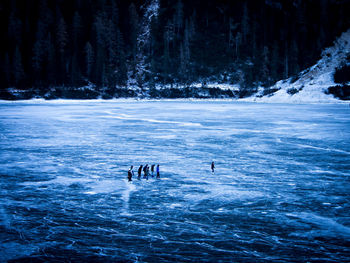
(145, 173)
(139, 172)
(130, 173)
(158, 175)
(212, 167)
(152, 169)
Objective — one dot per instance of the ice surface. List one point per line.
(280, 191)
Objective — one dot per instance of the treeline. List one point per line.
(111, 44)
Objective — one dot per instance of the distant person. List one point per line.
(139, 172)
(152, 169)
(145, 174)
(130, 173)
(212, 167)
(158, 175)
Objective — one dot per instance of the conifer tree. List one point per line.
(51, 61)
(61, 36)
(275, 61)
(178, 17)
(14, 29)
(77, 30)
(265, 65)
(245, 23)
(61, 42)
(89, 59)
(7, 71)
(18, 71)
(134, 22)
(294, 62)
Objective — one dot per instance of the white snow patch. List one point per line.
(212, 85)
(199, 85)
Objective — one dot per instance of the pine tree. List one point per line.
(324, 20)
(51, 61)
(115, 14)
(111, 44)
(238, 40)
(254, 39)
(61, 36)
(14, 29)
(192, 26)
(39, 49)
(185, 54)
(186, 45)
(18, 71)
(231, 29)
(89, 59)
(166, 53)
(101, 46)
(302, 29)
(245, 23)
(265, 65)
(134, 22)
(45, 14)
(37, 57)
(77, 30)
(122, 68)
(286, 62)
(178, 17)
(294, 62)
(61, 42)
(183, 63)
(7, 70)
(275, 61)
(74, 71)
(112, 54)
(153, 37)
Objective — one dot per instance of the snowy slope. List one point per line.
(314, 81)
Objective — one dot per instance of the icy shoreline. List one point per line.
(125, 100)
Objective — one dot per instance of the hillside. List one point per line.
(316, 83)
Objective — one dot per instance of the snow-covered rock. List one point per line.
(312, 83)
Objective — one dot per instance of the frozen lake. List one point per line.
(280, 191)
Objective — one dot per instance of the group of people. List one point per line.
(146, 172)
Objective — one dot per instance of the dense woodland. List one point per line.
(112, 45)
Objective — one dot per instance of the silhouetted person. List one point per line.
(145, 171)
(212, 167)
(158, 174)
(139, 172)
(152, 169)
(130, 173)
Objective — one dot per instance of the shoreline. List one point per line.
(254, 100)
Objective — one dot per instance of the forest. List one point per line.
(120, 48)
